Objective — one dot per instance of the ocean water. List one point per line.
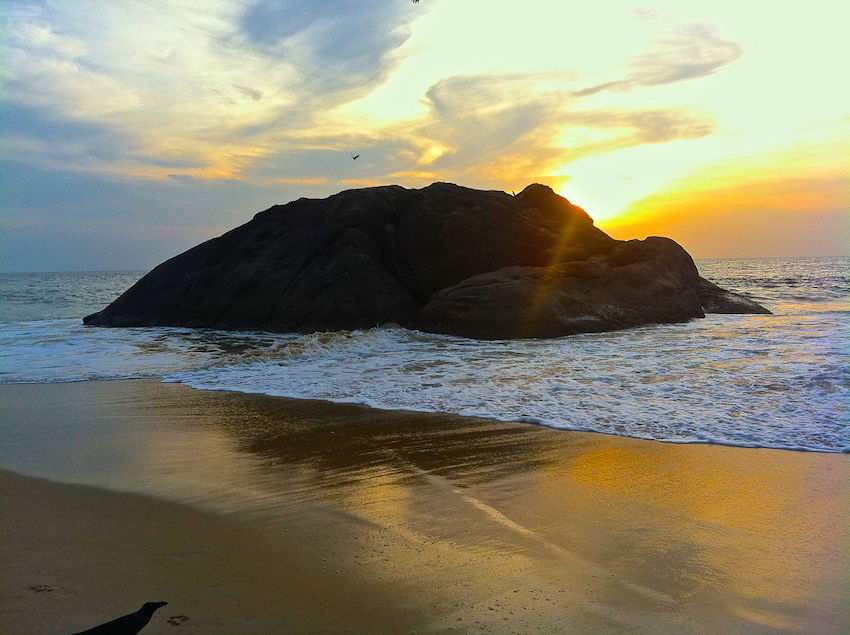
(779, 381)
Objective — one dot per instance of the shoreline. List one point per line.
(400, 522)
(493, 419)
(436, 413)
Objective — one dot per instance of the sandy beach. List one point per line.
(257, 514)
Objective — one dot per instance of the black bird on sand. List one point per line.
(129, 624)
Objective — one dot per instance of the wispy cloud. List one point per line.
(693, 51)
(340, 47)
(248, 90)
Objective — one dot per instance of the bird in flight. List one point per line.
(354, 157)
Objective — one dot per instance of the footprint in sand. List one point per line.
(177, 620)
(41, 588)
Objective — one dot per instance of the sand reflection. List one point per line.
(475, 525)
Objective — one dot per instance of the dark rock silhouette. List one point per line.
(445, 258)
(717, 300)
(637, 282)
(128, 624)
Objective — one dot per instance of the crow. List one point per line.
(129, 624)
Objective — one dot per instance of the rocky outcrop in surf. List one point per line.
(445, 258)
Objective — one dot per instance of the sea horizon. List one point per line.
(696, 260)
(740, 391)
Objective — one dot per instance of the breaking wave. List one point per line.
(779, 381)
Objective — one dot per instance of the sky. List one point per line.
(134, 129)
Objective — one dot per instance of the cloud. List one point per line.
(43, 38)
(160, 76)
(483, 130)
(210, 91)
(37, 135)
(54, 220)
(204, 114)
(338, 46)
(477, 116)
(53, 77)
(253, 93)
(692, 52)
(494, 130)
(317, 180)
(249, 91)
(629, 129)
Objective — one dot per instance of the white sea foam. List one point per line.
(778, 381)
(671, 383)
(48, 351)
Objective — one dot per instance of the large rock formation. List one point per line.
(444, 258)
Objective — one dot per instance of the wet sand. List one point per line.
(264, 515)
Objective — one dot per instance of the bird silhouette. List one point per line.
(128, 624)
(354, 157)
